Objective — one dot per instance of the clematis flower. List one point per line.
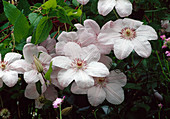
(79, 64)
(8, 75)
(109, 88)
(127, 35)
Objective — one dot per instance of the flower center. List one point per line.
(101, 79)
(128, 33)
(3, 65)
(79, 64)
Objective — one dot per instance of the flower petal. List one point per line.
(31, 76)
(1, 83)
(123, 8)
(61, 61)
(10, 78)
(31, 91)
(45, 58)
(65, 77)
(83, 80)
(97, 69)
(114, 93)
(122, 48)
(28, 51)
(92, 26)
(117, 77)
(59, 48)
(83, 2)
(51, 93)
(131, 23)
(147, 31)
(96, 95)
(68, 37)
(105, 6)
(142, 47)
(109, 24)
(11, 57)
(106, 61)
(77, 90)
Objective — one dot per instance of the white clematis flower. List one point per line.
(109, 88)
(79, 64)
(8, 75)
(127, 35)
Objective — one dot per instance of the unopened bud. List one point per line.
(4, 113)
(66, 111)
(158, 96)
(38, 64)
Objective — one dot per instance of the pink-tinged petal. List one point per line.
(83, 2)
(104, 49)
(83, 80)
(108, 36)
(11, 57)
(31, 76)
(1, 83)
(20, 66)
(28, 40)
(78, 26)
(123, 8)
(85, 38)
(51, 93)
(147, 31)
(65, 77)
(117, 77)
(31, 91)
(59, 48)
(92, 26)
(72, 50)
(28, 51)
(142, 47)
(55, 82)
(77, 90)
(43, 84)
(45, 58)
(41, 49)
(96, 95)
(105, 6)
(106, 61)
(62, 62)
(97, 69)
(1, 73)
(10, 78)
(114, 93)
(130, 23)
(68, 37)
(123, 48)
(90, 53)
(38, 104)
(109, 24)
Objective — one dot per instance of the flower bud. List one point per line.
(38, 64)
(4, 113)
(158, 96)
(66, 111)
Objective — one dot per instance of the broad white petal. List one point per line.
(28, 51)
(109, 24)
(10, 78)
(90, 53)
(68, 37)
(61, 61)
(105, 6)
(147, 31)
(59, 48)
(1, 83)
(104, 49)
(55, 82)
(31, 91)
(77, 90)
(114, 93)
(106, 61)
(123, 48)
(65, 77)
(123, 8)
(31, 76)
(51, 93)
(83, 80)
(131, 23)
(72, 50)
(96, 95)
(97, 69)
(1, 73)
(78, 26)
(45, 58)
(92, 26)
(142, 47)
(11, 57)
(83, 2)
(41, 49)
(117, 77)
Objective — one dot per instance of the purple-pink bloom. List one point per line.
(58, 102)
(163, 37)
(167, 53)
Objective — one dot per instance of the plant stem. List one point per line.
(60, 111)
(115, 14)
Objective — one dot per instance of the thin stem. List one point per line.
(6, 28)
(115, 14)
(60, 112)
(65, 27)
(81, 14)
(13, 38)
(1, 102)
(5, 37)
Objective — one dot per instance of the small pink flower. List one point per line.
(160, 105)
(58, 102)
(167, 53)
(163, 37)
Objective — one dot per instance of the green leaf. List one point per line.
(21, 28)
(94, 6)
(11, 12)
(133, 86)
(34, 18)
(25, 6)
(49, 4)
(47, 75)
(42, 31)
(72, 13)
(75, 3)
(38, 87)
